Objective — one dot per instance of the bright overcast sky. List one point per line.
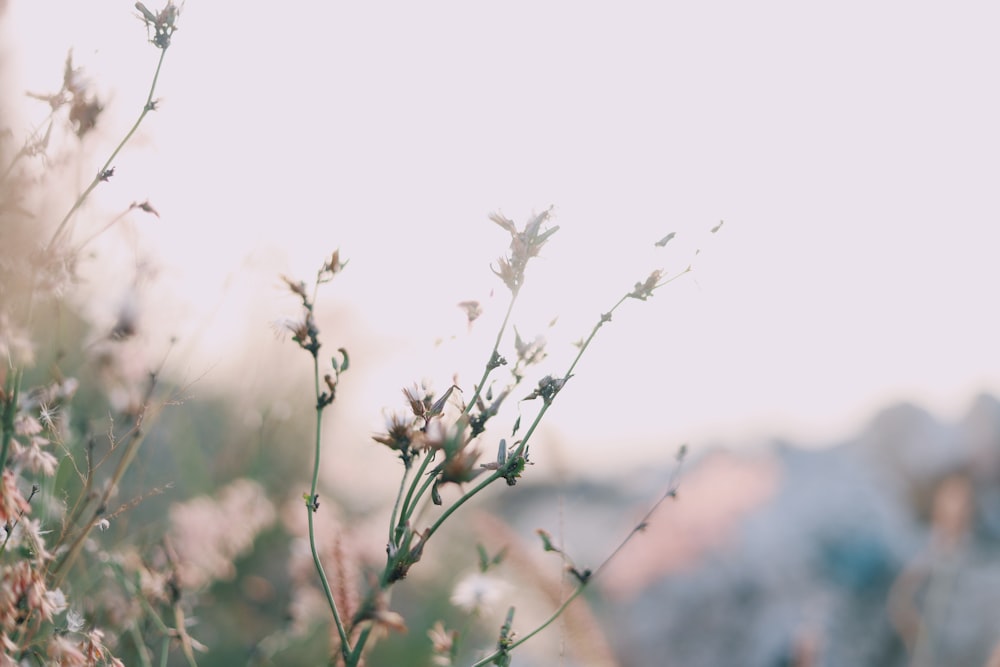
(851, 148)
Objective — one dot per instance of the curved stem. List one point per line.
(312, 505)
(556, 614)
(458, 503)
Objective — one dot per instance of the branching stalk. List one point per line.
(493, 355)
(555, 615)
(103, 173)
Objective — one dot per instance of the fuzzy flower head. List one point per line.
(163, 23)
(303, 330)
(472, 310)
(331, 267)
(529, 353)
(12, 503)
(31, 455)
(66, 650)
(460, 457)
(460, 465)
(524, 245)
(478, 593)
(423, 402)
(419, 397)
(401, 435)
(28, 534)
(644, 290)
(444, 643)
(74, 620)
(84, 107)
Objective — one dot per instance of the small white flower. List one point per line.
(47, 414)
(74, 620)
(478, 592)
(68, 387)
(55, 601)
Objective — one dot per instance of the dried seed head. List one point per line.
(442, 641)
(644, 290)
(297, 288)
(472, 310)
(523, 246)
(146, 207)
(401, 435)
(419, 398)
(163, 23)
(332, 266)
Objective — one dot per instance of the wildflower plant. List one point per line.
(60, 479)
(68, 599)
(441, 441)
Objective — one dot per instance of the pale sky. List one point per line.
(851, 148)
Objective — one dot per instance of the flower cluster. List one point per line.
(524, 245)
(163, 23)
(444, 433)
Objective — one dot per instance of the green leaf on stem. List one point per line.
(547, 541)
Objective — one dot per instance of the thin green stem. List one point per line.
(406, 510)
(605, 318)
(404, 549)
(140, 645)
(671, 492)
(395, 506)
(458, 503)
(429, 479)
(131, 589)
(102, 173)
(555, 615)
(312, 505)
(355, 656)
(165, 652)
(493, 355)
(11, 391)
